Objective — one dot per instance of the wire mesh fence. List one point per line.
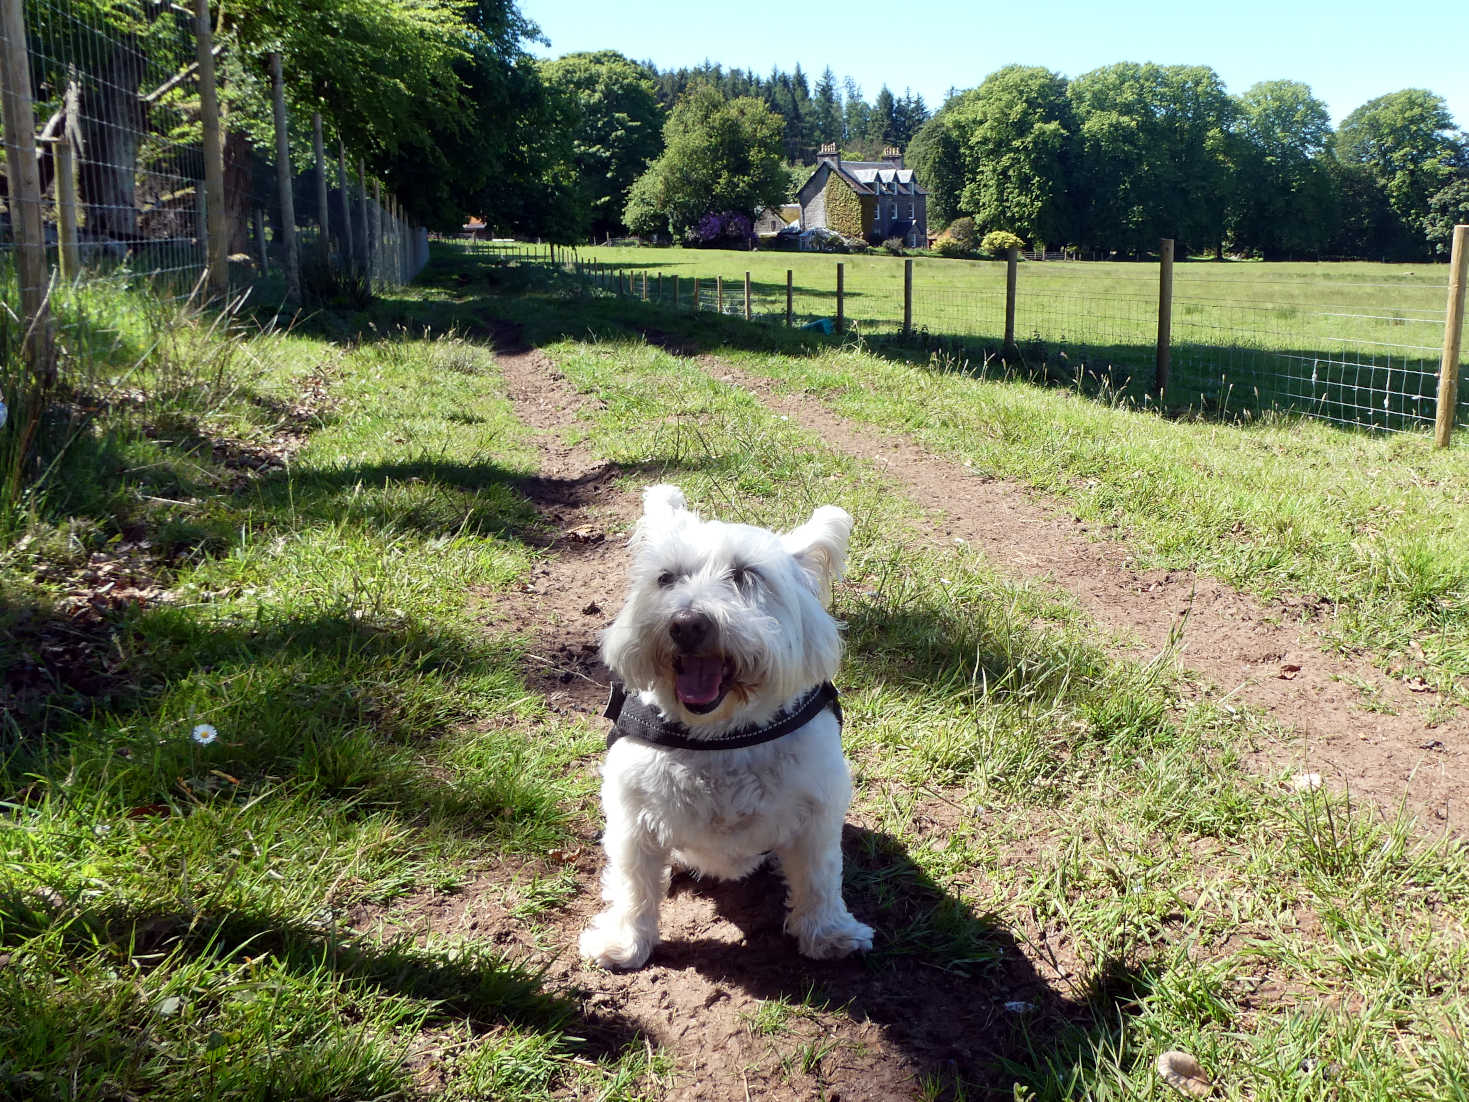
(1356, 346)
(107, 142)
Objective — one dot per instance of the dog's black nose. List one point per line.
(690, 630)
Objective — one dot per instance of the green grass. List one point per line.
(1354, 343)
(174, 915)
(177, 918)
(1368, 528)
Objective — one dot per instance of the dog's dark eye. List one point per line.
(743, 577)
(667, 578)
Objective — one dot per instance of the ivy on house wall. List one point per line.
(848, 213)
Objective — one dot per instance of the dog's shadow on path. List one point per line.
(951, 988)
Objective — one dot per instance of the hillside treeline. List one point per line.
(1118, 157)
(1107, 162)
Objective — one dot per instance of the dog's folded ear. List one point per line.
(664, 507)
(820, 547)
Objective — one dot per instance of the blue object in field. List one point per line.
(823, 324)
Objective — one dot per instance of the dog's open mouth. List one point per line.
(702, 681)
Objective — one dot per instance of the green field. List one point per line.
(300, 539)
(1353, 343)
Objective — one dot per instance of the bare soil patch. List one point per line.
(1362, 731)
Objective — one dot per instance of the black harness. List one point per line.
(631, 718)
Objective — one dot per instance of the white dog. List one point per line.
(732, 747)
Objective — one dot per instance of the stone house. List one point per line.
(872, 199)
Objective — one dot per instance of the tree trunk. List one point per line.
(113, 121)
(239, 185)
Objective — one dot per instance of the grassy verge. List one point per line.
(249, 699)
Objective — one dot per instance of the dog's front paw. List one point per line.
(613, 943)
(828, 937)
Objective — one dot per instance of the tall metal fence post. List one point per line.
(283, 179)
(323, 212)
(719, 294)
(217, 229)
(1012, 265)
(1453, 337)
(1165, 316)
(25, 194)
(66, 208)
(790, 298)
(747, 296)
(696, 294)
(841, 298)
(907, 297)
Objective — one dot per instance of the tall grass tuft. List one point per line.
(130, 362)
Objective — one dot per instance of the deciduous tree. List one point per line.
(718, 156)
(616, 127)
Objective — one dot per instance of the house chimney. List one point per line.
(829, 153)
(893, 155)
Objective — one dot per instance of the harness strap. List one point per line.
(631, 718)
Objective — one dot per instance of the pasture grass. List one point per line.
(177, 917)
(1352, 343)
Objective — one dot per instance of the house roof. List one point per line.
(873, 177)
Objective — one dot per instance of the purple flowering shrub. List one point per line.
(722, 228)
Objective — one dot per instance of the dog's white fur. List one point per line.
(721, 812)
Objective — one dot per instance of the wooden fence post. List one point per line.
(217, 224)
(323, 212)
(349, 248)
(1012, 265)
(907, 297)
(719, 294)
(1453, 336)
(376, 210)
(66, 208)
(841, 298)
(696, 294)
(747, 296)
(366, 220)
(675, 292)
(790, 299)
(1165, 316)
(283, 179)
(645, 286)
(25, 196)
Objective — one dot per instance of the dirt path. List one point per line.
(1378, 744)
(725, 953)
(726, 995)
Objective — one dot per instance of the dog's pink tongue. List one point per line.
(699, 680)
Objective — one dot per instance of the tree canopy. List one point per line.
(616, 128)
(719, 156)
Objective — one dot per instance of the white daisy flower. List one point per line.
(204, 734)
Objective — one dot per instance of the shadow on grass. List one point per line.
(252, 956)
(951, 988)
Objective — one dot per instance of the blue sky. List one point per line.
(1348, 52)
